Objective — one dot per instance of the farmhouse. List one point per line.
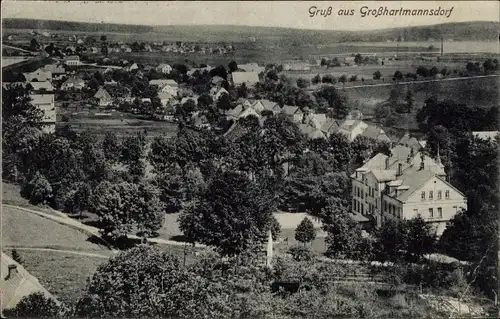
(72, 60)
(42, 87)
(164, 68)
(45, 103)
(249, 78)
(376, 133)
(216, 93)
(103, 97)
(311, 132)
(73, 83)
(293, 112)
(352, 128)
(296, 66)
(55, 69)
(17, 283)
(329, 126)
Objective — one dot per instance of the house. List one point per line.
(217, 80)
(354, 115)
(72, 60)
(189, 98)
(376, 133)
(311, 132)
(131, 67)
(296, 66)
(485, 135)
(79, 41)
(241, 111)
(55, 69)
(38, 76)
(330, 126)
(166, 98)
(403, 186)
(103, 97)
(166, 86)
(164, 68)
(268, 105)
(293, 112)
(200, 121)
(42, 87)
(73, 83)
(252, 67)
(17, 283)
(45, 103)
(249, 78)
(217, 92)
(352, 128)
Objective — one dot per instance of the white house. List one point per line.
(166, 86)
(45, 103)
(352, 128)
(164, 68)
(293, 112)
(103, 97)
(403, 186)
(72, 60)
(42, 87)
(73, 83)
(39, 75)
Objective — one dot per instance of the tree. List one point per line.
(16, 256)
(34, 45)
(343, 79)
(392, 240)
(410, 99)
(224, 102)
(305, 231)
(38, 190)
(133, 153)
(470, 66)
(233, 215)
(104, 38)
(344, 234)
(423, 71)
(335, 100)
(328, 78)
(421, 238)
(433, 71)
(111, 147)
(36, 305)
(358, 59)
(377, 75)
(302, 83)
(316, 79)
(398, 75)
(232, 66)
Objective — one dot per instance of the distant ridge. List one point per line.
(458, 31)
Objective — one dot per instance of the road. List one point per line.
(424, 81)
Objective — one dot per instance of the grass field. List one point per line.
(63, 275)
(23, 229)
(11, 194)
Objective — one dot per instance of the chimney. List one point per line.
(12, 271)
(387, 163)
(400, 169)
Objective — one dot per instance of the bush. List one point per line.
(17, 257)
(36, 305)
(301, 253)
(38, 190)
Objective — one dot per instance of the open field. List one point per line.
(23, 229)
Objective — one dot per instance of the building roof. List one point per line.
(74, 80)
(485, 135)
(384, 175)
(217, 80)
(163, 65)
(349, 125)
(163, 82)
(42, 98)
(311, 132)
(20, 284)
(413, 179)
(290, 110)
(375, 133)
(268, 105)
(54, 68)
(102, 94)
(72, 57)
(45, 85)
(329, 126)
(245, 77)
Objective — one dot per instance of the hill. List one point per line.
(460, 31)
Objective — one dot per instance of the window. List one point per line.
(376, 186)
(422, 195)
(447, 194)
(358, 191)
(354, 204)
(431, 212)
(362, 194)
(431, 194)
(362, 209)
(439, 194)
(399, 212)
(440, 212)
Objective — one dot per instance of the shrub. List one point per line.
(17, 257)
(36, 305)
(301, 253)
(305, 231)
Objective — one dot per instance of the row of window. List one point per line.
(360, 193)
(439, 194)
(358, 206)
(392, 209)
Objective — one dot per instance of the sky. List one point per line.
(290, 14)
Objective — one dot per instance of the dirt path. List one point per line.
(73, 252)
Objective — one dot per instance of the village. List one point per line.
(363, 180)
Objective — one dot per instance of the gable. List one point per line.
(435, 184)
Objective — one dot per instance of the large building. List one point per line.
(45, 102)
(403, 186)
